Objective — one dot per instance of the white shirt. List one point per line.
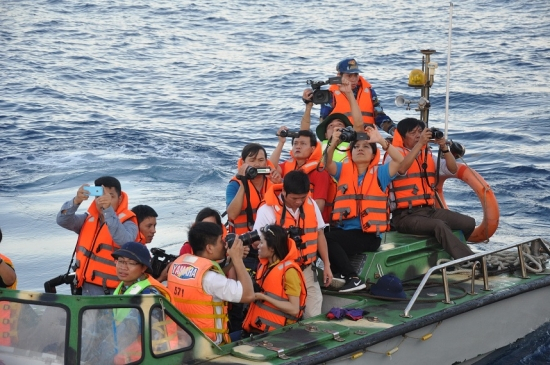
(266, 215)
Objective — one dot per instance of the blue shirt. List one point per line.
(231, 191)
(384, 179)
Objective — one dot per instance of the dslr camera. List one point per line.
(436, 133)
(50, 285)
(248, 238)
(251, 172)
(349, 135)
(160, 260)
(296, 234)
(322, 96)
(287, 133)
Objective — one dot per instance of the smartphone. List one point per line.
(94, 190)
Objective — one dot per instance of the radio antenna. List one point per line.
(448, 70)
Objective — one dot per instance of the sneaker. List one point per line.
(338, 281)
(352, 284)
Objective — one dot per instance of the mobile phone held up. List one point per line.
(94, 190)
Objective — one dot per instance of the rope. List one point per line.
(505, 261)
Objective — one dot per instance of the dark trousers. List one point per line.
(344, 243)
(439, 223)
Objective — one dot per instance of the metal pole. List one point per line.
(448, 71)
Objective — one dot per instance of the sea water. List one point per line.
(164, 95)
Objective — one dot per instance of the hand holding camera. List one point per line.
(322, 96)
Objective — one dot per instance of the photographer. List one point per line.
(8, 279)
(290, 205)
(305, 156)
(361, 210)
(246, 191)
(207, 290)
(147, 223)
(412, 194)
(371, 110)
(282, 298)
(107, 224)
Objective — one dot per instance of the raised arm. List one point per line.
(330, 165)
(276, 154)
(396, 157)
(305, 123)
(411, 156)
(345, 88)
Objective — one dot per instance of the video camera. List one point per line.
(50, 285)
(322, 96)
(287, 133)
(349, 135)
(251, 172)
(248, 238)
(160, 260)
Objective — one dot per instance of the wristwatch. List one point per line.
(444, 151)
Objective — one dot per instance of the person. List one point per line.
(305, 155)
(290, 205)
(245, 193)
(147, 223)
(106, 226)
(412, 192)
(205, 215)
(8, 278)
(361, 211)
(207, 290)
(282, 297)
(133, 269)
(371, 111)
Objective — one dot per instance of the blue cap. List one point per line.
(348, 66)
(135, 251)
(388, 286)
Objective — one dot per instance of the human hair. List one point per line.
(143, 211)
(252, 150)
(307, 133)
(296, 182)
(0, 235)
(208, 212)
(276, 237)
(408, 124)
(372, 146)
(109, 182)
(202, 234)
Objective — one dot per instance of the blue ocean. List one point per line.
(164, 95)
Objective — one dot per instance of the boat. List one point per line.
(450, 309)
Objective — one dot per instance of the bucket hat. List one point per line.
(322, 127)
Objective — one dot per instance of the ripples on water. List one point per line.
(164, 95)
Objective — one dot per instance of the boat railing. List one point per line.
(478, 258)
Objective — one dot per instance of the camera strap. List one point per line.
(249, 214)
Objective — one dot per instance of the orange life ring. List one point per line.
(486, 196)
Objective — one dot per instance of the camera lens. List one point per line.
(251, 172)
(250, 237)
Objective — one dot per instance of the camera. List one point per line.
(287, 133)
(248, 238)
(457, 149)
(436, 133)
(349, 135)
(295, 233)
(49, 286)
(160, 260)
(252, 172)
(322, 96)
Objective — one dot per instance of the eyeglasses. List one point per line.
(266, 229)
(127, 264)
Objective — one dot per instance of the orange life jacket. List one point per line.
(416, 187)
(263, 316)
(311, 164)
(94, 263)
(367, 201)
(9, 315)
(241, 224)
(9, 263)
(185, 284)
(307, 222)
(364, 99)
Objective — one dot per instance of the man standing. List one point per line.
(412, 193)
(106, 226)
(291, 205)
(198, 286)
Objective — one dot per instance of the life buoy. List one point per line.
(486, 196)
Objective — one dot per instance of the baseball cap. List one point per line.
(348, 66)
(135, 251)
(388, 286)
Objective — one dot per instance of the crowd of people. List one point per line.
(331, 199)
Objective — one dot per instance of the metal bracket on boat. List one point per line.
(269, 346)
(311, 328)
(473, 288)
(360, 332)
(335, 335)
(372, 319)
